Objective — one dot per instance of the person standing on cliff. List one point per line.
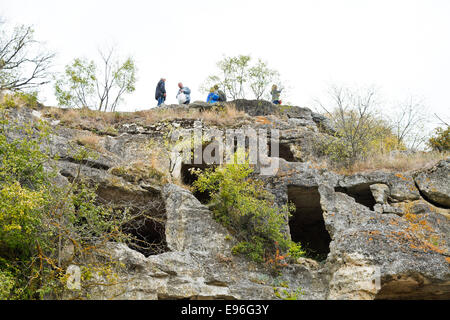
(160, 93)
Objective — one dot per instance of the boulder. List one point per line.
(380, 192)
(434, 183)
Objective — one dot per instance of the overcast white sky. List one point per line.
(401, 46)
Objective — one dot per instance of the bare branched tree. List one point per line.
(118, 78)
(24, 63)
(352, 113)
(441, 121)
(408, 124)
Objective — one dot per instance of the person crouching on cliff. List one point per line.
(275, 94)
(184, 94)
(213, 97)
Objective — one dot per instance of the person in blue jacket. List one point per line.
(213, 97)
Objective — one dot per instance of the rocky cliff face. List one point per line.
(378, 235)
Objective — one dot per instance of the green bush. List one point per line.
(441, 140)
(29, 99)
(242, 205)
(254, 250)
(37, 218)
(286, 294)
(7, 282)
(296, 251)
(20, 98)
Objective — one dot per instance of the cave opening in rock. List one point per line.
(146, 227)
(148, 235)
(188, 178)
(284, 151)
(361, 193)
(306, 224)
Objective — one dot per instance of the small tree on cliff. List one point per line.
(361, 131)
(83, 85)
(440, 141)
(238, 75)
(353, 116)
(260, 78)
(248, 211)
(234, 72)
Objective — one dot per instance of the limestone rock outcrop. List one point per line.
(366, 230)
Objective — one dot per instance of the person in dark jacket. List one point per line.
(160, 93)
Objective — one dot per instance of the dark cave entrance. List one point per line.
(147, 225)
(148, 216)
(148, 235)
(196, 163)
(284, 152)
(361, 193)
(307, 225)
(188, 178)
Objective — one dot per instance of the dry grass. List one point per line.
(89, 140)
(86, 118)
(70, 117)
(388, 163)
(399, 162)
(262, 120)
(221, 116)
(226, 116)
(181, 184)
(141, 171)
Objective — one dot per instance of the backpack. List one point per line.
(222, 96)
